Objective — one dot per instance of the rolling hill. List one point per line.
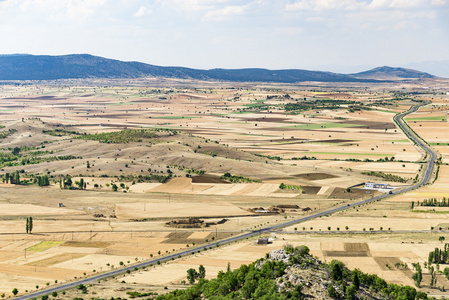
(45, 67)
(389, 73)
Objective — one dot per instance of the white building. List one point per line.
(373, 185)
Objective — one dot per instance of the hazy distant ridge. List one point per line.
(389, 73)
(44, 67)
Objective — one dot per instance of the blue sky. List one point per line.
(336, 35)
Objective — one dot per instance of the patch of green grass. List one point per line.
(45, 245)
(437, 118)
(124, 136)
(439, 144)
(243, 112)
(323, 125)
(401, 141)
(253, 105)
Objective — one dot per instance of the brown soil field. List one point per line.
(315, 176)
(323, 151)
(176, 210)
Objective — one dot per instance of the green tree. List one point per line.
(17, 178)
(81, 184)
(67, 182)
(332, 292)
(418, 275)
(201, 272)
(356, 279)
(336, 269)
(350, 292)
(15, 291)
(433, 276)
(441, 239)
(16, 151)
(192, 275)
(114, 187)
(29, 225)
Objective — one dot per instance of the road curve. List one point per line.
(425, 179)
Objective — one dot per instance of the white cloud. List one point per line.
(223, 13)
(53, 9)
(190, 5)
(322, 5)
(143, 11)
(319, 5)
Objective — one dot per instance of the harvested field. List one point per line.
(346, 253)
(86, 244)
(215, 133)
(340, 193)
(178, 210)
(315, 176)
(29, 209)
(56, 259)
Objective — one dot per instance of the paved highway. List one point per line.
(425, 179)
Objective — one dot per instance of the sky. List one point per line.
(331, 35)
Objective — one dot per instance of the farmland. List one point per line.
(235, 157)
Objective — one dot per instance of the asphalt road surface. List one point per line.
(424, 180)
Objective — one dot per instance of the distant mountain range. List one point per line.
(45, 67)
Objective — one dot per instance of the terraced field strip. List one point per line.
(351, 154)
(323, 126)
(437, 118)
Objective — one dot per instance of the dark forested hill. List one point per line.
(45, 67)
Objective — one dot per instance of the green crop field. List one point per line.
(437, 118)
(45, 245)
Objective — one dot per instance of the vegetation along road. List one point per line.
(424, 180)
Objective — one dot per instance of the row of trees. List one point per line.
(42, 180)
(12, 178)
(439, 256)
(386, 176)
(434, 202)
(67, 183)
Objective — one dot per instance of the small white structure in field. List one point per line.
(373, 185)
(381, 187)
